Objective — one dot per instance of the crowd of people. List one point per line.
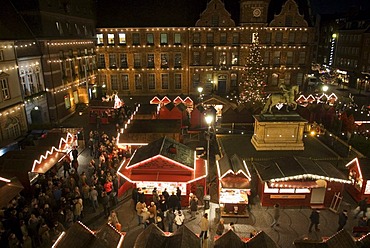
(164, 210)
(61, 197)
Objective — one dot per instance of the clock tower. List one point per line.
(253, 12)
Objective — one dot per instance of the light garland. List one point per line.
(18, 46)
(16, 67)
(70, 86)
(310, 176)
(33, 99)
(203, 29)
(70, 59)
(69, 43)
(63, 146)
(12, 110)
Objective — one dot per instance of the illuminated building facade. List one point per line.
(57, 67)
(149, 60)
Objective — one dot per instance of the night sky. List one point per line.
(154, 13)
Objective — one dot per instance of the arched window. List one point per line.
(12, 128)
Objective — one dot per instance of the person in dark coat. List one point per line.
(74, 153)
(66, 167)
(315, 220)
(342, 220)
(363, 207)
(163, 204)
(135, 196)
(165, 194)
(178, 194)
(170, 218)
(105, 203)
(173, 201)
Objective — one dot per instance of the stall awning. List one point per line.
(294, 184)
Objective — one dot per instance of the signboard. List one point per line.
(287, 196)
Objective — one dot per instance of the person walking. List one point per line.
(342, 220)
(193, 206)
(276, 215)
(204, 227)
(170, 218)
(315, 220)
(363, 207)
(105, 203)
(94, 198)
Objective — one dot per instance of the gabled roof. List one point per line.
(341, 239)
(78, 235)
(183, 238)
(169, 106)
(107, 236)
(216, 100)
(183, 154)
(364, 241)
(261, 240)
(229, 239)
(151, 237)
(181, 106)
(293, 168)
(233, 165)
(363, 164)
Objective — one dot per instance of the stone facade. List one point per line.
(176, 60)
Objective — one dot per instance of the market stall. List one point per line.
(164, 163)
(359, 175)
(298, 181)
(105, 110)
(234, 186)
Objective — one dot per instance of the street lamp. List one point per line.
(209, 120)
(325, 88)
(200, 90)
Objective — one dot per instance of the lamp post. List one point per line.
(200, 90)
(209, 120)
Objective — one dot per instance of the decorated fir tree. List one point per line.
(252, 83)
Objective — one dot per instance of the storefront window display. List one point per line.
(148, 187)
(234, 196)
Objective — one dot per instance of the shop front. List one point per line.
(359, 175)
(297, 181)
(164, 164)
(234, 186)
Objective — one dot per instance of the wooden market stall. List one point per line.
(359, 175)
(298, 181)
(28, 163)
(164, 163)
(234, 186)
(9, 188)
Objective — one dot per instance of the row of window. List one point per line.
(348, 62)
(223, 58)
(121, 39)
(123, 60)
(349, 50)
(121, 81)
(222, 38)
(69, 29)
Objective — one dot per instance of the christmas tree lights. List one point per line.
(252, 84)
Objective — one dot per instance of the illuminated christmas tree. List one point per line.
(252, 86)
